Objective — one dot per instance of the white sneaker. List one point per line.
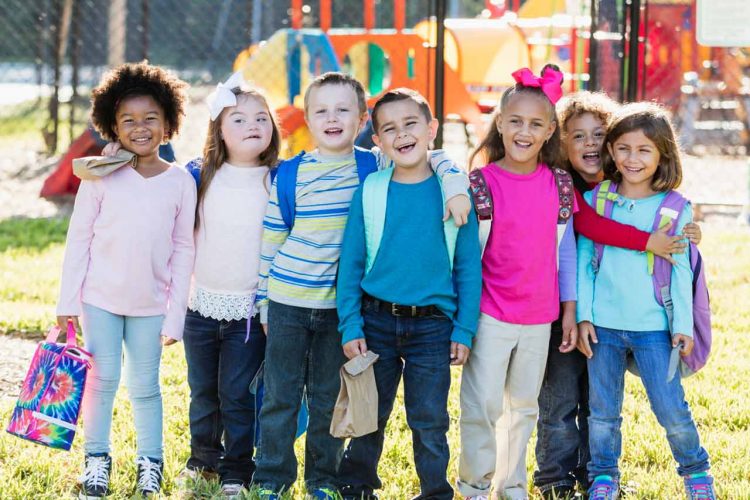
(232, 490)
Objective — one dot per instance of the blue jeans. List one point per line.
(562, 447)
(420, 349)
(303, 352)
(106, 336)
(221, 366)
(607, 367)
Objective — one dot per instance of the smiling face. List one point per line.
(583, 142)
(334, 118)
(404, 133)
(246, 130)
(525, 123)
(140, 125)
(636, 158)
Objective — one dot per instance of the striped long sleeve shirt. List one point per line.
(299, 268)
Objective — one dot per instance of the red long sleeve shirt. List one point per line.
(603, 230)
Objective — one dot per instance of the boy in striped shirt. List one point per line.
(297, 289)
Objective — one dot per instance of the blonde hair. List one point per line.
(215, 151)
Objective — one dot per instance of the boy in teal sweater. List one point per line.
(408, 288)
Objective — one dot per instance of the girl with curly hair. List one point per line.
(126, 272)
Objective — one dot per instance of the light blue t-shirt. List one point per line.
(621, 294)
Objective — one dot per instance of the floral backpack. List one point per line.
(47, 409)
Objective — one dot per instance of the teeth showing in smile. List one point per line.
(522, 144)
(334, 131)
(405, 148)
(142, 140)
(591, 156)
(633, 170)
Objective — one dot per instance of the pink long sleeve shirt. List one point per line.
(130, 247)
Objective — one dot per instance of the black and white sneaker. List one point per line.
(95, 478)
(150, 475)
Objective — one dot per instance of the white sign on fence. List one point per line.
(723, 23)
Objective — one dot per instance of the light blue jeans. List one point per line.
(104, 335)
(607, 367)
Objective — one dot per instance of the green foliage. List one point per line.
(719, 396)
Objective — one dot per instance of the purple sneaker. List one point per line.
(604, 488)
(700, 486)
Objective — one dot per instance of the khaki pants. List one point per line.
(501, 379)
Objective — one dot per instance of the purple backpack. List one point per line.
(604, 196)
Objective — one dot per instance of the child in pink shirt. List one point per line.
(128, 260)
(526, 275)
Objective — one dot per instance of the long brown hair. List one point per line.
(653, 121)
(492, 149)
(215, 151)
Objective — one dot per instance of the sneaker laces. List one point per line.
(699, 491)
(601, 491)
(149, 477)
(95, 474)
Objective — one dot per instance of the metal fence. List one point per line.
(53, 51)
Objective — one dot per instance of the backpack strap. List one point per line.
(565, 195)
(194, 168)
(366, 163)
(374, 201)
(286, 187)
(603, 199)
(659, 268)
(482, 198)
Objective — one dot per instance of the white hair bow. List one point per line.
(223, 97)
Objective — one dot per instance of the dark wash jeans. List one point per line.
(303, 352)
(221, 366)
(562, 447)
(420, 349)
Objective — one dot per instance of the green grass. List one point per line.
(30, 256)
(24, 122)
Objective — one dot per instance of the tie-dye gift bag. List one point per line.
(47, 409)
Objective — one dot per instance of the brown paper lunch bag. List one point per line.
(356, 410)
(91, 168)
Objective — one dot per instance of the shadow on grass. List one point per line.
(32, 234)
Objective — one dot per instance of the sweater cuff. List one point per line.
(462, 337)
(350, 333)
(263, 312)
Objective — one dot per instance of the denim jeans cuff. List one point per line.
(569, 483)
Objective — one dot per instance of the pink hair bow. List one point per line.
(550, 82)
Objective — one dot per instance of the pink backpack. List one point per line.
(47, 409)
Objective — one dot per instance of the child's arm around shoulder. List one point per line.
(454, 180)
(78, 250)
(181, 262)
(348, 287)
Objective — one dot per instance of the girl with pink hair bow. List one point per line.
(528, 270)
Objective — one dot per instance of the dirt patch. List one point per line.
(16, 354)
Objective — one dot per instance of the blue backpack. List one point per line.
(286, 175)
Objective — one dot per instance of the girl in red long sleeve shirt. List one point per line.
(562, 445)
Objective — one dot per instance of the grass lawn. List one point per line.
(30, 256)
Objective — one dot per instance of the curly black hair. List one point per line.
(137, 79)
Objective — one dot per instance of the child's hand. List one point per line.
(459, 207)
(264, 327)
(570, 328)
(687, 343)
(459, 353)
(664, 245)
(354, 348)
(111, 148)
(165, 341)
(586, 331)
(692, 231)
(62, 322)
